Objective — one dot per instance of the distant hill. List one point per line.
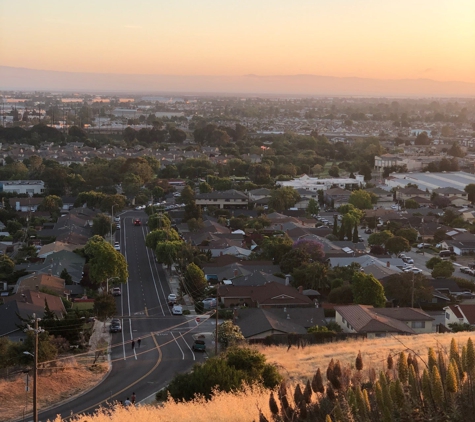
(13, 78)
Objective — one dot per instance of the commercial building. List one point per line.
(31, 187)
(315, 184)
(431, 181)
(226, 199)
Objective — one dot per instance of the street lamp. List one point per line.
(112, 219)
(109, 279)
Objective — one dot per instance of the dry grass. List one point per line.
(298, 365)
(53, 386)
(239, 407)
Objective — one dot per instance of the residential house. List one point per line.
(53, 247)
(223, 199)
(336, 197)
(384, 197)
(38, 282)
(305, 197)
(272, 294)
(402, 194)
(364, 319)
(259, 323)
(24, 305)
(29, 204)
(462, 243)
(460, 314)
(257, 194)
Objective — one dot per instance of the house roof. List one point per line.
(337, 191)
(467, 311)
(270, 294)
(404, 314)
(227, 194)
(255, 321)
(29, 282)
(445, 284)
(412, 191)
(449, 191)
(364, 320)
(37, 301)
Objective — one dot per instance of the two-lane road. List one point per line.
(165, 346)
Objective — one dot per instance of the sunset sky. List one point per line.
(365, 38)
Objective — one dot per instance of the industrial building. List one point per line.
(431, 181)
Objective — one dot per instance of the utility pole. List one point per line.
(36, 331)
(412, 294)
(216, 336)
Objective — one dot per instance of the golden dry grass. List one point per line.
(239, 407)
(52, 388)
(298, 365)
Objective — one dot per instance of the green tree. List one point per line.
(52, 204)
(361, 200)
(104, 306)
(397, 244)
(313, 208)
(68, 280)
(167, 252)
(6, 265)
(293, 259)
(275, 247)
(408, 233)
(229, 334)
(410, 204)
(367, 290)
(443, 269)
(283, 198)
(101, 225)
(195, 281)
(104, 261)
(187, 195)
(310, 276)
(431, 263)
(156, 236)
(334, 171)
(380, 238)
(46, 349)
(159, 221)
(422, 139)
(205, 187)
(470, 189)
(398, 287)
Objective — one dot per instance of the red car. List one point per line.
(137, 222)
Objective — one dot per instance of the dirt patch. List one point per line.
(54, 386)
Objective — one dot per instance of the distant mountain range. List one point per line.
(13, 78)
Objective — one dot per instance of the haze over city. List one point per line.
(215, 46)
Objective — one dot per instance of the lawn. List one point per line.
(83, 306)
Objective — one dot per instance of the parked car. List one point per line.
(116, 326)
(368, 231)
(117, 219)
(408, 260)
(402, 255)
(423, 245)
(464, 270)
(209, 303)
(360, 239)
(117, 226)
(445, 253)
(171, 298)
(116, 291)
(117, 246)
(177, 310)
(199, 346)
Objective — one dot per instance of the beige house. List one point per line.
(379, 322)
(403, 194)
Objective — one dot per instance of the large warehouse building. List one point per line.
(430, 181)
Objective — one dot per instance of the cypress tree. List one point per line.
(360, 403)
(436, 385)
(302, 410)
(341, 233)
(330, 392)
(330, 370)
(359, 362)
(426, 386)
(273, 405)
(350, 394)
(432, 358)
(464, 358)
(413, 384)
(298, 395)
(317, 383)
(390, 362)
(388, 403)
(451, 382)
(366, 401)
(442, 365)
(328, 418)
(470, 356)
(307, 393)
(402, 368)
(415, 365)
(355, 234)
(398, 393)
(335, 225)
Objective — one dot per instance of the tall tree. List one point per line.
(195, 281)
(397, 244)
(361, 199)
(367, 290)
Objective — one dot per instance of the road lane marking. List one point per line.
(159, 360)
(146, 311)
(182, 352)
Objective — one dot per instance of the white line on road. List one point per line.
(182, 352)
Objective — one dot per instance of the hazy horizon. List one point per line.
(23, 79)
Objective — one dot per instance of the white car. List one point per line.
(171, 298)
(117, 246)
(416, 270)
(177, 310)
(117, 226)
(117, 219)
(423, 245)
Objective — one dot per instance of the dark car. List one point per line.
(137, 222)
(199, 346)
(116, 326)
(368, 231)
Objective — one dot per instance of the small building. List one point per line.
(223, 199)
(19, 187)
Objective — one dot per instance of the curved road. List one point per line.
(165, 338)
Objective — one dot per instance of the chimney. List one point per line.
(388, 264)
(287, 279)
(300, 289)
